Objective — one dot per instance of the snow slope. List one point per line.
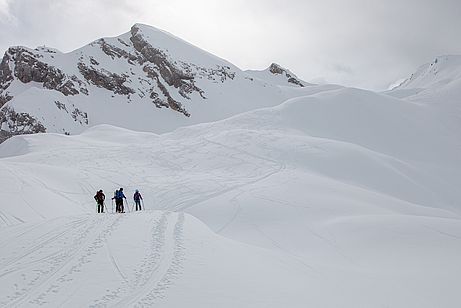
(140, 259)
(337, 198)
(437, 86)
(437, 82)
(437, 74)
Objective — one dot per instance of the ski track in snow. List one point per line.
(159, 267)
(47, 267)
(176, 255)
(54, 259)
(237, 154)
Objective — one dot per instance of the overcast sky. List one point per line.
(361, 43)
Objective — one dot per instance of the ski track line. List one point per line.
(114, 262)
(146, 270)
(279, 167)
(83, 258)
(48, 267)
(158, 269)
(53, 262)
(234, 201)
(24, 231)
(172, 272)
(50, 237)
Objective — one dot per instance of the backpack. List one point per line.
(119, 194)
(99, 196)
(137, 196)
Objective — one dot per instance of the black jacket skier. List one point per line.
(137, 199)
(100, 197)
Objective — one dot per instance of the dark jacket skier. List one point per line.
(137, 199)
(100, 197)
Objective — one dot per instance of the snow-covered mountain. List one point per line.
(145, 79)
(325, 197)
(442, 71)
(438, 81)
(437, 86)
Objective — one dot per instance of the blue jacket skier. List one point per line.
(119, 196)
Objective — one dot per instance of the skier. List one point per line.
(119, 200)
(100, 197)
(137, 199)
(116, 203)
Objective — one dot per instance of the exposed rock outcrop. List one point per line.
(18, 123)
(278, 70)
(160, 68)
(6, 75)
(28, 68)
(116, 52)
(4, 98)
(104, 79)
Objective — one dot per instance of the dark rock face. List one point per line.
(19, 123)
(6, 75)
(116, 52)
(278, 70)
(5, 98)
(4, 135)
(80, 116)
(103, 79)
(76, 114)
(167, 101)
(28, 68)
(160, 68)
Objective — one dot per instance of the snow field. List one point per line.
(339, 198)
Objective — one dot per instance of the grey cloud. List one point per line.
(362, 43)
(343, 69)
